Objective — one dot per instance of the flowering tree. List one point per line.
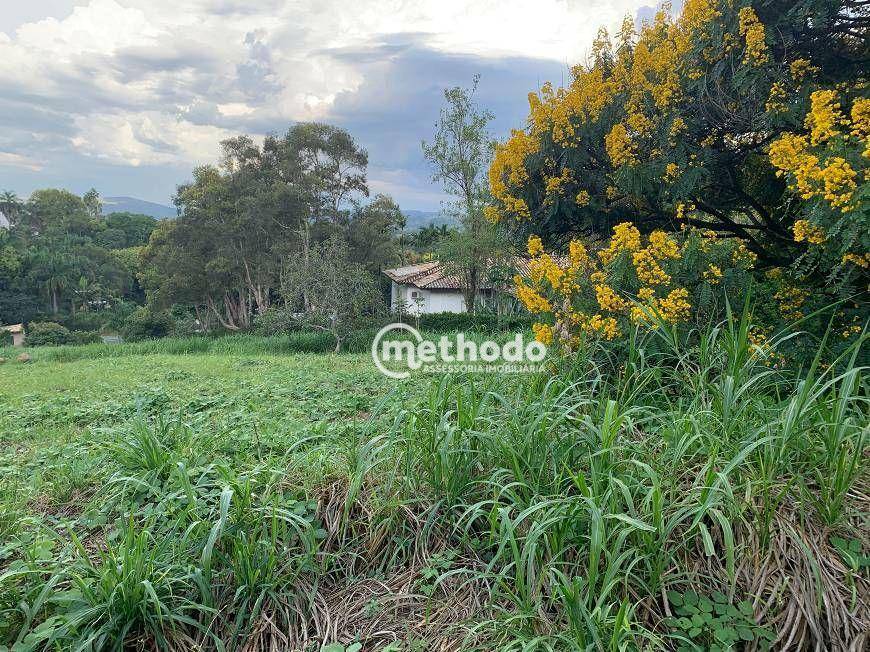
(675, 125)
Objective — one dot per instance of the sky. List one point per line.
(128, 96)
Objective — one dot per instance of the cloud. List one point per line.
(135, 89)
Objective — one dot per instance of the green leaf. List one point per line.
(690, 597)
(705, 605)
(675, 598)
(720, 597)
(746, 607)
(745, 633)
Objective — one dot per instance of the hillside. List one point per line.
(140, 206)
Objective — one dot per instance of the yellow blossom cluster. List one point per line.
(543, 333)
(533, 301)
(626, 237)
(619, 146)
(825, 117)
(508, 170)
(672, 171)
(805, 231)
(832, 178)
(752, 30)
(713, 274)
(556, 185)
(790, 300)
(861, 260)
(608, 300)
(801, 68)
(776, 99)
(582, 198)
(675, 307)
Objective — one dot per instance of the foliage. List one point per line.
(578, 509)
(713, 623)
(48, 333)
(338, 292)
(145, 323)
(677, 123)
(459, 153)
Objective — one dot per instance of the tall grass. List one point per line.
(683, 494)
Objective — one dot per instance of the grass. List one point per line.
(673, 496)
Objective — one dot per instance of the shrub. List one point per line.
(5, 338)
(48, 333)
(276, 321)
(86, 337)
(486, 322)
(145, 325)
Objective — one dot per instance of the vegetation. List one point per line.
(679, 495)
(688, 471)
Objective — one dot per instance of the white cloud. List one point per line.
(153, 82)
(8, 159)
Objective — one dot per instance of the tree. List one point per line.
(323, 168)
(674, 125)
(372, 233)
(11, 206)
(459, 154)
(340, 291)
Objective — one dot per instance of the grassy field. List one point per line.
(673, 497)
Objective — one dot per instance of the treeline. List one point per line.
(285, 233)
(60, 257)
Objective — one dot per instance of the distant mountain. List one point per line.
(133, 205)
(418, 219)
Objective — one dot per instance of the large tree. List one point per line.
(674, 125)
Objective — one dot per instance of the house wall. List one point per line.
(426, 301)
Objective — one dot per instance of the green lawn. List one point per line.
(55, 416)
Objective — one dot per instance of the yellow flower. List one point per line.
(752, 30)
(862, 261)
(805, 231)
(713, 275)
(606, 327)
(825, 117)
(608, 299)
(535, 246)
(534, 302)
(743, 257)
(582, 198)
(675, 308)
(645, 294)
(619, 146)
(578, 257)
(648, 270)
(672, 171)
(776, 100)
(543, 333)
(625, 237)
(800, 68)
(663, 246)
(491, 214)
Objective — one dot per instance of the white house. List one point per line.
(424, 288)
(17, 331)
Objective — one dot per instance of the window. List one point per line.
(413, 295)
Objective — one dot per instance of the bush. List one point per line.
(146, 325)
(86, 337)
(48, 333)
(482, 322)
(276, 321)
(5, 338)
(85, 320)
